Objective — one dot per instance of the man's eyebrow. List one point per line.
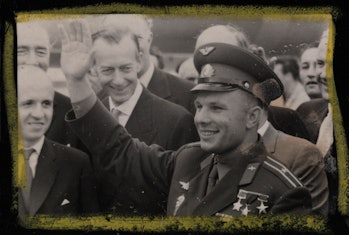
(41, 47)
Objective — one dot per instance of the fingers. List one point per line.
(63, 35)
(85, 33)
(72, 30)
(78, 30)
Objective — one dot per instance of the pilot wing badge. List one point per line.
(206, 50)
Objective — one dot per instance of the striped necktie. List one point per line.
(29, 178)
(116, 113)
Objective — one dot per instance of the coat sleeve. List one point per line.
(184, 132)
(294, 201)
(125, 159)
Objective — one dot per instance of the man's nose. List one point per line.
(32, 59)
(117, 78)
(201, 116)
(37, 111)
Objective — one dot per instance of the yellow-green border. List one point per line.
(211, 224)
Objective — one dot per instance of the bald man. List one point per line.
(33, 48)
(60, 180)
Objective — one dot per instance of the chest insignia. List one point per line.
(179, 202)
(184, 185)
(244, 208)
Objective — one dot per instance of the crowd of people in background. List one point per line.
(139, 140)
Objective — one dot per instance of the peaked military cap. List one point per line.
(224, 67)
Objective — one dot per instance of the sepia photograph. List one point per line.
(152, 122)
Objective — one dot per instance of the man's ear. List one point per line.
(253, 116)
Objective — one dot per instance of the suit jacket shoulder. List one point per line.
(287, 121)
(172, 88)
(313, 113)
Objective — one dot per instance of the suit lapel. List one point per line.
(159, 84)
(46, 172)
(141, 122)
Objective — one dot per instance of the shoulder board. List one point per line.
(282, 171)
(249, 173)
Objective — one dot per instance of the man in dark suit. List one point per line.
(159, 82)
(229, 151)
(59, 179)
(144, 115)
(33, 48)
(317, 115)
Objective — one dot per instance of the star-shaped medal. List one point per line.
(245, 210)
(262, 208)
(237, 205)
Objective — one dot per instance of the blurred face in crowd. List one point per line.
(32, 45)
(308, 72)
(117, 65)
(35, 103)
(321, 65)
(221, 120)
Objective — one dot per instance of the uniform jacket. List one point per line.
(313, 113)
(146, 171)
(64, 183)
(157, 121)
(172, 88)
(303, 159)
(288, 121)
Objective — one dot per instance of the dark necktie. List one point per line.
(27, 189)
(213, 176)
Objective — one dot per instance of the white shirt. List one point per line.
(33, 158)
(146, 77)
(263, 128)
(128, 106)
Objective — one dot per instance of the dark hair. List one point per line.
(115, 35)
(308, 46)
(289, 65)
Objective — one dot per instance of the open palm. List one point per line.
(76, 49)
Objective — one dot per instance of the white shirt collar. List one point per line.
(146, 77)
(34, 157)
(263, 128)
(128, 106)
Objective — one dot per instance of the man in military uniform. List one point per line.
(227, 172)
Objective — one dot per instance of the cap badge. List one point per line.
(207, 71)
(246, 84)
(206, 50)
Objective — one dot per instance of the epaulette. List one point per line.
(249, 173)
(280, 170)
